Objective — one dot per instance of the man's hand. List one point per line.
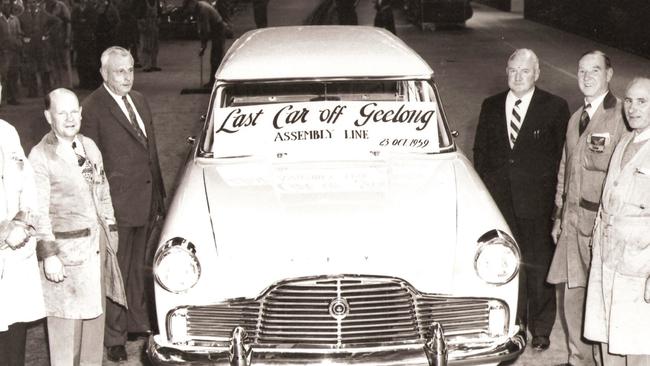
(18, 234)
(557, 229)
(646, 295)
(54, 270)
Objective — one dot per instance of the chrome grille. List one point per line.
(380, 310)
(298, 313)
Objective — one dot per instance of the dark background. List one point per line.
(620, 23)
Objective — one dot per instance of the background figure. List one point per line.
(20, 283)
(108, 20)
(618, 296)
(517, 150)
(148, 25)
(60, 40)
(591, 136)
(37, 26)
(211, 28)
(11, 45)
(384, 16)
(346, 11)
(259, 13)
(77, 235)
(127, 31)
(120, 120)
(84, 23)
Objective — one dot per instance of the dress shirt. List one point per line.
(595, 104)
(118, 100)
(523, 106)
(642, 136)
(68, 153)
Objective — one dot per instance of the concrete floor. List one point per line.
(469, 63)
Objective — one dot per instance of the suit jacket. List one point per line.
(580, 184)
(521, 179)
(132, 167)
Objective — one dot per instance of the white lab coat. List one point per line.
(21, 296)
(616, 312)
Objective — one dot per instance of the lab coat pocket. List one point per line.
(639, 197)
(74, 246)
(599, 150)
(636, 250)
(586, 220)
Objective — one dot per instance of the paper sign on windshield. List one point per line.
(325, 128)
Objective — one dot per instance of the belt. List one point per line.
(588, 205)
(72, 234)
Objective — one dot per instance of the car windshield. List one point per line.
(326, 118)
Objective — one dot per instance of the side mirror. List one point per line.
(455, 133)
(191, 140)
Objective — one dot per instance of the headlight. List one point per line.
(176, 266)
(497, 257)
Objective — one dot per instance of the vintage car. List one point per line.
(326, 217)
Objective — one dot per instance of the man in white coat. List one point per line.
(21, 297)
(618, 294)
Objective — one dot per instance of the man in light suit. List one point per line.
(119, 120)
(618, 293)
(592, 133)
(517, 150)
(77, 239)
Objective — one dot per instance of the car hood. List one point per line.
(277, 221)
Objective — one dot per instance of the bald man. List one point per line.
(517, 150)
(618, 292)
(77, 235)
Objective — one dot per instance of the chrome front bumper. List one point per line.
(433, 353)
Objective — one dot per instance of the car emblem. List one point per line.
(339, 308)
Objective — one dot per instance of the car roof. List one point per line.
(320, 52)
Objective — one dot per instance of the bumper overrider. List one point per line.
(434, 352)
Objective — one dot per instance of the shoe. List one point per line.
(156, 68)
(116, 353)
(148, 69)
(540, 343)
(134, 336)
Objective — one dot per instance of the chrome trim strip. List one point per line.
(414, 355)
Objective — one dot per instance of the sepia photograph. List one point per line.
(325, 182)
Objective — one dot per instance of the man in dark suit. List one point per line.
(517, 150)
(119, 120)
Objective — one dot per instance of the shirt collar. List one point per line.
(595, 104)
(67, 144)
(525, 99)
(117, 98)
(643, 136)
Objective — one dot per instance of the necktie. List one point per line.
(84, 164)
(134, 121)
(80, 159)
(584, 119)
(515, 123)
